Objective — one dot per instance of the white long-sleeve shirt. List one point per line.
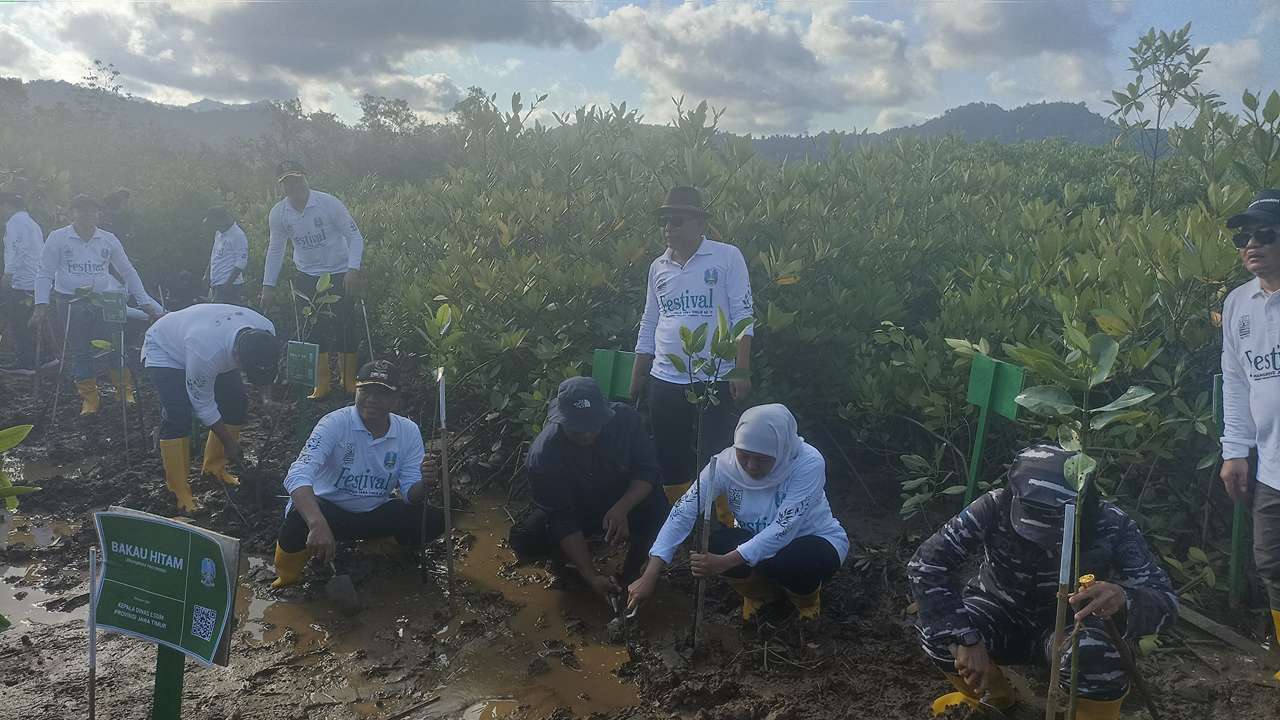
(23, 241)
(775, 516)
(200, 340)
(1251, 378)
(324, 236)
(230, 253)
(70, 262)
(714, 279)
(344, 464)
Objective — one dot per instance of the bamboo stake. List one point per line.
(1060, 619)
(704, 540)
(445, 487)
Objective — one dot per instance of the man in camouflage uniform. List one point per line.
(1005, 615)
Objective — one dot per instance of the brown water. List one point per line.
(20, 598)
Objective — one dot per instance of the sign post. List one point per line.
(993, 385)
(171, 584)
(612, 371)
(300, 368)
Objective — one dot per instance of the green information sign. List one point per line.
(300, 361)
(612, 371)
(993, 387)
(114, 308)
(167, 582)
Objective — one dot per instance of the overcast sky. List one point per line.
(793, 66)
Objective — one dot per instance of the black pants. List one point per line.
(82, 322)
(801, 566)
(336, 332)
(394, 518)
(18, 305)
(175, 404)
(675, 429)
(531, 538)
(230, 294)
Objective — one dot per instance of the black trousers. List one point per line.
(334, 332)
(175, 404)
(531, 539)
(675, 429)
(394, 518)
(801, 566)
(18, 305)
(230, 294)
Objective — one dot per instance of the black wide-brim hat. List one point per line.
(683, 199)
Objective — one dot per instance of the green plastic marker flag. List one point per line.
(612, 371)
(300, 370)
(114, 308)
(993, 385)
(1239, 518)
(168, 583)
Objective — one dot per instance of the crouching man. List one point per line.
(341, 485)
(1005, 615)
(591, 469)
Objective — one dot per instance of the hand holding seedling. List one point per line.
(320, 541)
(1235, 478)
(1102, 599)
(710, 564)
(974, 666)
(643, 587)
(604, 586)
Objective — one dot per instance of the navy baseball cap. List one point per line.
(1041, 493)
(1264, 210)
(379, 372)
(289, 168)
(580, 407)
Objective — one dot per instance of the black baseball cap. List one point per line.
(85, 201)
(217, 215)
(579, 406)
(379, 372)
(1264, 210)
(258, 353)
(289, 168)
(1041, 493)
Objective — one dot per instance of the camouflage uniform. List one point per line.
(1011, 601)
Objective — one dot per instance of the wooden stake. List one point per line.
(1060, 619)
(445, 488)
(704, 540)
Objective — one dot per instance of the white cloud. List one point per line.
(1232, 68)
(898, 117)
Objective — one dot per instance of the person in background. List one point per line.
(1251, 385)
(23, 242)
(688, 285)
(591, 469)
(786, 539)
(195, 357)
(341, 486)
(325, 241)
(1004, 615)
(74, 266)
(228, 259)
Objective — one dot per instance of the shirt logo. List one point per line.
(1245, 326)
(389, 460)
(711, 276)
(349, 456)
(582, 404)
(105, 253)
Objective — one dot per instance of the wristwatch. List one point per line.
(970, 638)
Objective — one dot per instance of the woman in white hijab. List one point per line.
(785, 536)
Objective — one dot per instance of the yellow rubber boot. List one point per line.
(175, 455)
(89, 400)
(289, 567)
(756, 591)
(321, 390)
(807, 605)
(1000, 694)
(1275, 619)
(123, 380)
(1087, 709)
(215, 457)
(675, 492)
(350, 365)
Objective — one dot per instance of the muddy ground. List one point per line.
(507, 645)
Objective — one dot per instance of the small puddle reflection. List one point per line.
(23, 603)
(17, 529)
(491, 710)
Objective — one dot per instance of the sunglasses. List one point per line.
(1265, 236)
(674, 221)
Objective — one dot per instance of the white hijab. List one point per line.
(767, 430)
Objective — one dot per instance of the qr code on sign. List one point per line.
(202, 621)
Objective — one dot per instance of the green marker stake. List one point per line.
(1239, 516)
(993, 385)
(612, 371)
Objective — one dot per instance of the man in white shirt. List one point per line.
(325, 241)
(23, 241)
(194, 357)
(1251, 384)
(228, 259)
(689, 284)
(74, 267)
(341, 485)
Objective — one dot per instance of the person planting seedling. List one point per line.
(76, 264)
(341, 486)
(194, 357)
(689, 285)
(1005, 614)
(591, 469)
(1251, 385)
(228, 259)
(786, 539)
(23, 241)
(325, 241)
